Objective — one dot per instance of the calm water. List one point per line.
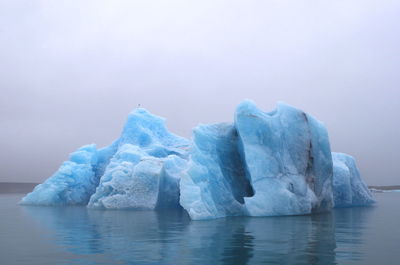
(75, 235)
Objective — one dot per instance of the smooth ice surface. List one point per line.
(262, 164)
(348, 187)
(278, 149)
(73, 183)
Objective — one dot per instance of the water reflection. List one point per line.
(350, 224)
(131, 237)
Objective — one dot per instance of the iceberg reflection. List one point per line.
(149, 237)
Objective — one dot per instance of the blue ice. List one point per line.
(262, 164)
(216, 183)
(144, 173)
(126, 174)
(73, 183)
(348, 187)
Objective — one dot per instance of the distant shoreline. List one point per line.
(394, 187)
(16, 187)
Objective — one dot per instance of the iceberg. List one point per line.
(138, 170)
(348, 187)
(262, 164)
(288, 160)
(72, 184)
(215, 183)
(144, 172)
(134, 179)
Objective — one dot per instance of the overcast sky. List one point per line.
(71, 71)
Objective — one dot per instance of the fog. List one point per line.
(71, 71)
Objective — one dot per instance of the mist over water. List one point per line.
(77, 235)
(71, 71)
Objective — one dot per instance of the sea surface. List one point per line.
(76, 235)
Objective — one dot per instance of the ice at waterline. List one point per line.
(262, 164)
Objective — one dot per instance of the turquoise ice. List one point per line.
(216, 183)
(144, 173)
(262, 164)
(73, 183)
(348, 187)
(141, 170)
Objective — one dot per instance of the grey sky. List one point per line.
(71, 71)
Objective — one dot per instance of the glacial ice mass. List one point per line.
(262, 164)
